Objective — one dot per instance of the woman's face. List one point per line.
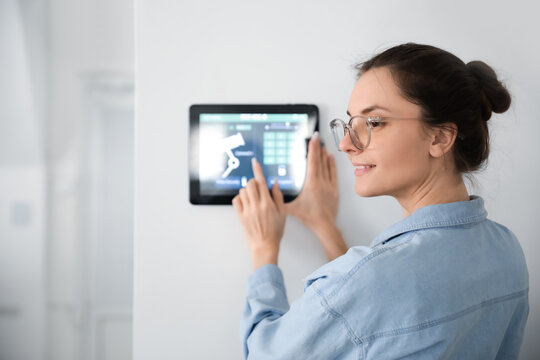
(397, 160)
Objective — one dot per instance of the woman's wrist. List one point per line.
(320, 223)
(264, 256)
(331, 240)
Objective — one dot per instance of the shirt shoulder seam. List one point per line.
(361, 263)
(334, 313)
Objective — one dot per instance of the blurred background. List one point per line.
(66, 179)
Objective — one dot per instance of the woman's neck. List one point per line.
(440, 189)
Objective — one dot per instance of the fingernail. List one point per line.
(253, 161)
(315, 135)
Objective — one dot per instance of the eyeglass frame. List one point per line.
(369, 120)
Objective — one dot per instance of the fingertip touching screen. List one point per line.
(224, 138)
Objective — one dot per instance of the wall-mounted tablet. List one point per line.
(224, 138)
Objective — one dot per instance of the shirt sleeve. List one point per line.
(272, 330)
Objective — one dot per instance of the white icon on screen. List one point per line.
(228, 144)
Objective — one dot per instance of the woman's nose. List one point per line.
(346, 145)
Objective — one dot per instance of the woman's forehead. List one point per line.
(376, 90)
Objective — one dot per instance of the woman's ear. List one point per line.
(443, 138)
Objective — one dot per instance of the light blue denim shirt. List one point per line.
(443, 283)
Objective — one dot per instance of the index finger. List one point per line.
(259, 177)
(314, 155)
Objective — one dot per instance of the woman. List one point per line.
(443, 283)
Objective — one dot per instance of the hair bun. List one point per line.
(494, 95)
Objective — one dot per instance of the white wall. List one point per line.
(191, 262)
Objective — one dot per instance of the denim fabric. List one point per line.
(443, 283)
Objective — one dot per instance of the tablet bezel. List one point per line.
(195, 197)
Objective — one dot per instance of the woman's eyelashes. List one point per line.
(376, 123)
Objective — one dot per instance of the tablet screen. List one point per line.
(228, 136)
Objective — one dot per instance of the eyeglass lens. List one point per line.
(359, 136)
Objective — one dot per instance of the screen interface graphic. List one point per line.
(227, 142)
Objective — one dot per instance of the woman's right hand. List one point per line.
(317, 205)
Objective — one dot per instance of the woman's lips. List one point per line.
(362, 169)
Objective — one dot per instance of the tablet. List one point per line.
(224, 138)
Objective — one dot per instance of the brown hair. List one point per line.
(448, 91)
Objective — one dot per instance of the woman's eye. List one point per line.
(376, 123)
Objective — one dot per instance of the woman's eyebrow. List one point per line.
(370, 109)
(374, 107)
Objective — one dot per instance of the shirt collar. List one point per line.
(438, 215)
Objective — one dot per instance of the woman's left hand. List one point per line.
(262, 217)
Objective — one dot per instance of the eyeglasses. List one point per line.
(359, 129)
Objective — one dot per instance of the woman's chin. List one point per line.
(365, 191)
